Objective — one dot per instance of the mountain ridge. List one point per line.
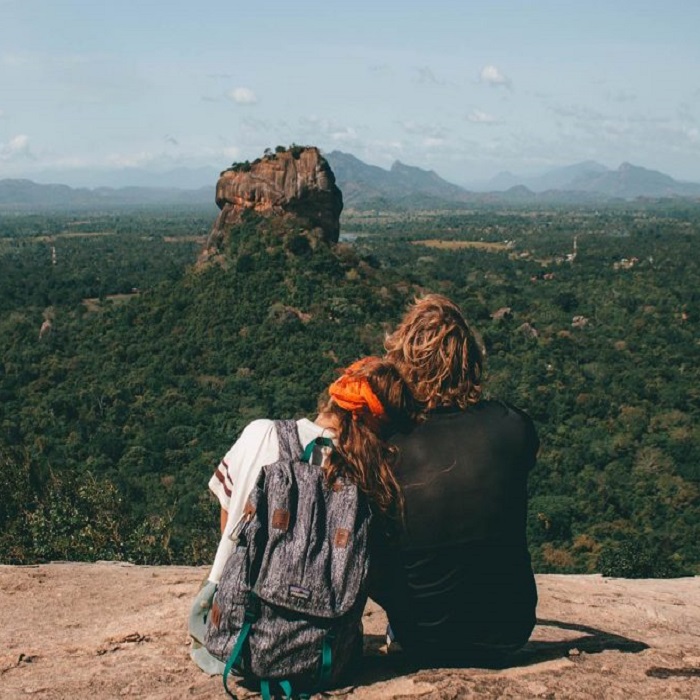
(557, 178)
(23, 194)
(401, 187)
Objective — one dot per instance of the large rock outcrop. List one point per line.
(297, 182)
(102, 631)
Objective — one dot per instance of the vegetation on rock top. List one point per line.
(245, 166)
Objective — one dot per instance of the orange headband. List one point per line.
(354, 394)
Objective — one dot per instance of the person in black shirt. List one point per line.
(456, 580)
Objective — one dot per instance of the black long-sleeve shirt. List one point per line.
(457, 581)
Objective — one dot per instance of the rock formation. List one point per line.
(297, 182)
(109, 630)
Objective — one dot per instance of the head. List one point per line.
(369, 402)
(439, 355)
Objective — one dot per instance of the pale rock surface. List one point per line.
(108, 630)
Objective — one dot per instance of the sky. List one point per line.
(89, 88)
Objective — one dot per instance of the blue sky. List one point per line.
(466, 88)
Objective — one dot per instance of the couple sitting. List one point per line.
(445, 473)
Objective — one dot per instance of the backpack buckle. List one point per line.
(252, 607)
(317, 451)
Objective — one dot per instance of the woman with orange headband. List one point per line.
(366, 405)
(363, 407)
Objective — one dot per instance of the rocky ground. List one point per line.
(107, 630)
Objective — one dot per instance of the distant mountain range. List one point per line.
(555, 179)
(25, 195)
(402, 187)
(367, 186)
(627, 182)
(585, 182)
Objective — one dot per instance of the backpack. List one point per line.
(288, 608)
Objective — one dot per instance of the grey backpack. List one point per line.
(287, 612)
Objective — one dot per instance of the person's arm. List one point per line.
(236, 473)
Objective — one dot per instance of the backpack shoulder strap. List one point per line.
(290, 448)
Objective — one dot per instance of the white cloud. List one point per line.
(476, 116)
(492, 76)
(344, 135)
(313, 128)
(693, 134)
(19, 143)
(2, 113)
(243, 96)
(232, 152)
(431, 142)
(17, 147)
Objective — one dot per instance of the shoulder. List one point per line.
(504, 409)
(258, 436)
(514, 419)
(258, 429)
(488, 420)
(308, 431)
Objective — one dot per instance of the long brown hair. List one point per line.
(362, 453)
(438, 354)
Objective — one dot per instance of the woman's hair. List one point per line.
(438, 354)
(370, 402)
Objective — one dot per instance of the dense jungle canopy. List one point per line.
(127, 371)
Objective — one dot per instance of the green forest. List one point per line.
(128, 369)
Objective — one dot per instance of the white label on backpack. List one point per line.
(299, 592)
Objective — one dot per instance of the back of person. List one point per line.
(457, 582)
(289, 604)
(285, 608)
(459, 585)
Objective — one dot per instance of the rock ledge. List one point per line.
(110, 630)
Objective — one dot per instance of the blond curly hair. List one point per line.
(440, 357)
